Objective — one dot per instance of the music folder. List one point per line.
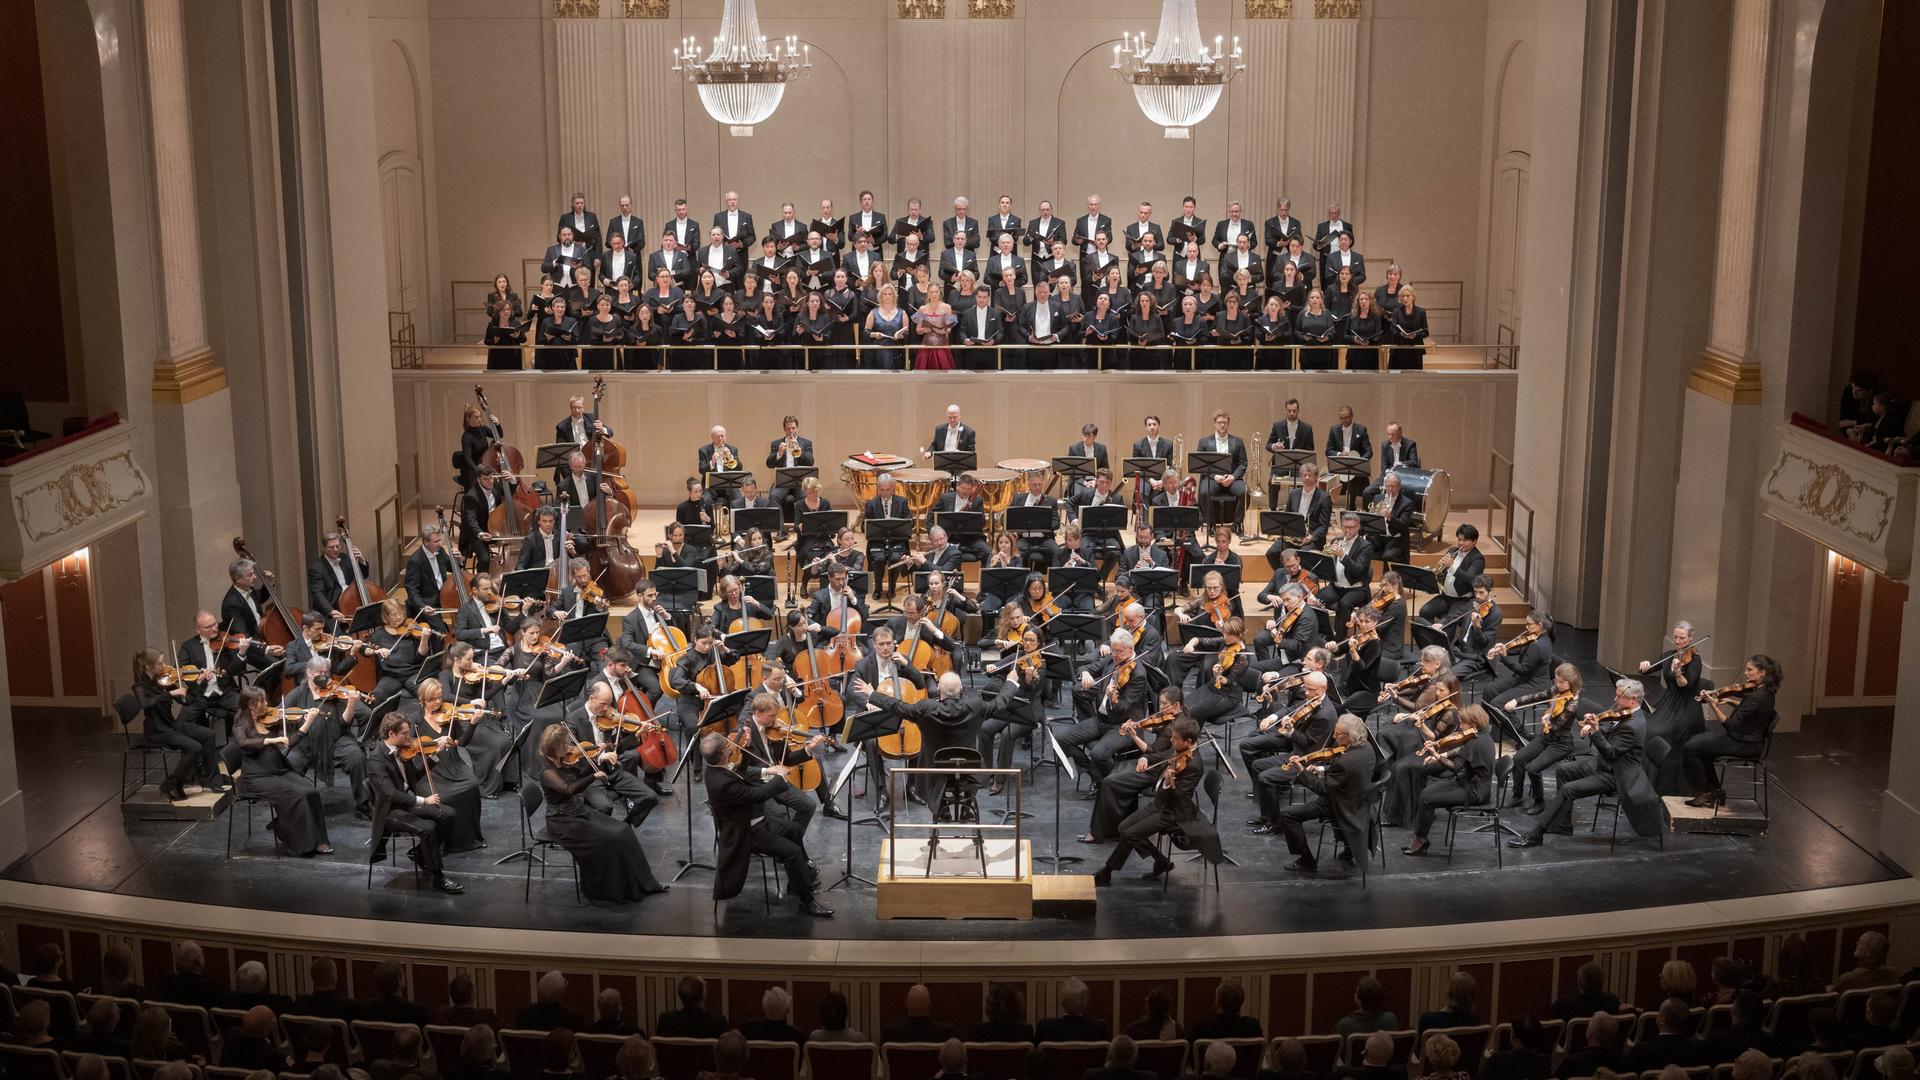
(764, 518)
(1417, 578)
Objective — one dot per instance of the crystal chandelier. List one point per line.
(1176, 80)
(742, 81)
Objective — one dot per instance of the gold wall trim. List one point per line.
(1724, 378)
(576, 9)
(1269, 9)
(188, 378)
(929, 10)
(1336, 9)
(646, 9)
(989, 9)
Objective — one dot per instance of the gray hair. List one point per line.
(553, 986)
(1354, 727)
(1682, 624)
(1630, 688)
(775, 1004)
(936, 533)
(1122, 1052)
(1132, 610)
(1436, 653)
(318, 666)
(250, 977)
(1120, 637)
(1073, 996)
(431, 528)
(713, 747)
(238, 568)
(1220, 1058)
(1292, 589)
(1344, 518)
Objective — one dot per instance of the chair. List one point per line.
(1472, 1040)
(909, 1060)
(1071, 1060)
(117, 1067)
(1247, 1054)
(13, 417)
(1165, 1058)
(535, 839)
(127, 708)
(444, 1041)
(242, 797)
(375, 1039)
(1853, 1005)
(1488, 811)
(769, 1060)
(31, 1063)
(1906, 1009)
(597, 1054)
(1604, 803)
(838, 1061)
(676, 1058)
(145, 1068)
(391, 836)
(1402, 1048)
(1323, 1053)
(1376, 835)
(1788, 1019)
(222, 1072)
(1167, 841)
(193, 1027)
(294, 1028)
(1718, 1018)
(1864, 1062)
(1756, 780)
(129, 1010)
(64, 1016)
(225, 1020)
(525, 1050)
(1007, 1060)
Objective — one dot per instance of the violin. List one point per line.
(1591, 722)
(1386, 597)
(1166, 715)
(1120, 676)
(336, 689)
(491, 673)
(414, 747)
(1292, 720)
(1320, 756)
(1556, 708)
(171, 676)
(1271, 690)
(626, 723)
(1425, 713)
(1452, 740)
(1228, 656)
(1409, 685)
(1730, 690)
(1176, 765)
(1520, 641)
(595, 595)
(1218, 609)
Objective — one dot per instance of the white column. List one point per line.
(993, 150)
(581, 94)
(1262, 92)
(654, 119)
(1336, 35)
(178, 214)
(1712, 558)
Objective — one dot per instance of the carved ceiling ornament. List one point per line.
(1336, 9)
(576, 9)
(1269, 9)
(646, 9)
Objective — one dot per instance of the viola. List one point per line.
(1321, 756)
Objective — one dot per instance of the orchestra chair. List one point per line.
(677, 1058)
(1007, 1060)
(1604, 803)
(1173, 838)
(1072, 1060)
(242, 797)
(597, 1053)
(836, 1061)
(770, 883)
(1756, 779)
(118, 1068)
(535, 839)
(31, 1063)
(1375, 833)
(1165, 1058)
(391, 839)
(525, 1050)
(127, 708)
(375, 1038)
(1246, 1055)
(64, 1016)
(910, 1060)
(770, 1060)
(1488, 811)
(193, 1027)
(293, 1029)
(1323, 1052)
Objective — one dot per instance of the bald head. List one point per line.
(919, 1000)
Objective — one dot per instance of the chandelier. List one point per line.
(1176, 80)
(742, 81)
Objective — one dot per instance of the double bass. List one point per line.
(607, 518)
(279, 624)
(363, 676)
(517, 500)
(453, 591)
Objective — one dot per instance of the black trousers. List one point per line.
(198, 754)
(1445, 791)
(1442, 608)
(1293, 821)
(429, 823)
(1265, 744)
(623, 794)
(1708, 747)
(1118, 797)
(1137, 833)
(780, 840)
(1092, 744)
(1575, 780)
(1540, 754)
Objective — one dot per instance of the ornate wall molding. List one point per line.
(576, 9)
(68, 497)
(990, 9)
(1857, 504)
(646, 9)
(1335, 9)
(923, 9)
(177, 381)
(1269, 9)
(1725, 378)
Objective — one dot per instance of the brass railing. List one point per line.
(906, 357)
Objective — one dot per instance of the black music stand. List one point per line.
(1317, 563)
(1003, 582)
(1067, 776)
(1109, 520)
(1084, 580)
(1414, 580)
(721, 708)
(1155, 584)
(1283, 524)
(1353, 470)
(554, 455)
(793, 477)
(862, 729)
(1083, 627)
(889, 531)
(1229, 574)
(764, 518)
(1031, 520)
(821, 524)
(1288, 462)
(962, 524)
(680, 587)
(955, 462)
(1076, 470)
(748, 643)
(762, 587)
(1153, 467)
(1425, 634)
(585, 628)
(722, 486)
(1169, 520)
(697, 536)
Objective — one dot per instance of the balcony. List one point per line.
(1853, 501)
(68, 494)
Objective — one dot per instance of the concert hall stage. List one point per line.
(1825, 820)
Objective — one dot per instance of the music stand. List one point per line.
(1283, 525)
(1317, 563)
(1415, 580)
(1348, 468)
(1209, 462)
(680, 587)
(795, 476)
(1229, 575)
(955, 462)
(1067, 776)
(726, 705)
(1172, 519)
(1425, 634)
(1287, 462)
(561, 688)
(762, 587)
(1157, 582)
(889, 532)
(1153, 467)
(1031, 520)
(764, 518)
(585, 628)
(366, 617)
(821, 524)
(697, 536)
(1003, 582)
(962, 524)
(1108, 520)
(862, 728)
(1076, 470)
(723, 485)
(1084, 579)
(554, 455)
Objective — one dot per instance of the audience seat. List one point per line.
(1402, 1048)
(1165, 1058)
(835, 1060)
(443, 1041)
(767, 1060)
(674, 1058)
(31, 1062)
(597, 1055)
(1788, 1018)
(193, 1026)
(525, 1050)
(65, 1014)
(293, 1029)
(1247, 1052)
(375, 1040)
(117, 1067)
(909, 1060)
(1002, 1060)
(1323, 1053)
(1071, 1060)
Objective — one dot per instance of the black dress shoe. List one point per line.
(1102, 877)
(1536, 808)
(1161, 868)
(1417, 851)
(448, 885)
(362, 813)
(1304, 865)
(1255, 821)
(660, 789)
(1265, 828)
(810, 906)
(174, 793)
(1090, 794)
(914, 798)
(1529, 840)
(828, 810)
(654, 889)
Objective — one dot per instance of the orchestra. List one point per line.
(577, 696)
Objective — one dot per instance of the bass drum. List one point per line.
(1432, 491)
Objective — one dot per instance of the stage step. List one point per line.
(148, 804)
(1738, 816)
(1064, 896)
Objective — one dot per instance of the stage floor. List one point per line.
(1826, 814)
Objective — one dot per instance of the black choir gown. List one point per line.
(612, 866)
(274, 773)
(486, 742)
(1321, 329)
(454, 781)
(1674, 715)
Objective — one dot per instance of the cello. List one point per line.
(904, 743)
(669, 641)
(658, 752)
(821, 707)
(505, 463)
(363, 676)
(280, 623)
(453, 592)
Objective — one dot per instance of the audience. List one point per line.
(388, 1004)
(1895, 1063)
(1793, 970)
(691, 1020)
(919, 1026)
(1601, 1052)
(1369, 1010)
(549, 1009)
(116, 974)
(610, 1015)
(1747, 1032)
(153, 1037)
(1158, 1023)
(479, 1056)
(174, 1070)
(459, 1011)
(1589, 996)
(1461, 990)
(635, 1060)
(49, 969)
(1225, 1022)
(325, 999)
(1122, 1055)
(405, 1056)
(188, 985)
(1218, 1061)
(1005, 1016)
(1679, 980)
(1530, 1057)
(1869, 965)
(1285, 1059)
(315, 1043)
(102, 1034)
(1440, 1057)
(833, 1021)
(1729, 977)
(1809, 1066)
(89, 1067)
(250, 989)
(1753, 1065)
(729, 1057)
(776, 1006)
(1675, 1042)
(1073, 1024)
(1376, 1061)
(953, 1061)
(252, 1045)
(31, 1026)
(560, 1056)
(1828, 1036)
(1878, 1029)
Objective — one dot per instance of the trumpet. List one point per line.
(791, 446)
(726, 460)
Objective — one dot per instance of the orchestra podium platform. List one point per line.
(1742, 816)
(146, 803)
(955, 888)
